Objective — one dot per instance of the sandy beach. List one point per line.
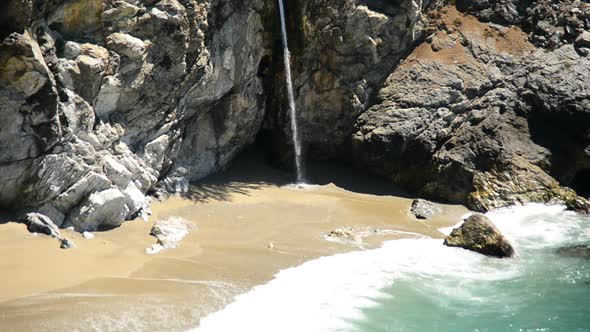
(248, 226)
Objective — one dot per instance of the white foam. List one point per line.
(448, 230)
(537, 225)
(300, 186)
(328, 293)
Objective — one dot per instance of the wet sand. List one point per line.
(248, 227)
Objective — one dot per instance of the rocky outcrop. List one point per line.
(423, 209)
(39, 223)
(479, 234)
(342, 51)
(169, 233)
(549, 24)
(479, 115)
(103, 102)
(101, 99)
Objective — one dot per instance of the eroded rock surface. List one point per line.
(98, 110)
(100, 99)
(423, 209)
(480, 115)
(169, 233)
(479, 234)
(40, 223)
(342, 51)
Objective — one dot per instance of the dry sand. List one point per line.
(109, 284)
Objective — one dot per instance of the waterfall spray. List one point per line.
(291, 97)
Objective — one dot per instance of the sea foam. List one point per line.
(330, 293)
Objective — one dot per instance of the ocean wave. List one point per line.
(330, 293)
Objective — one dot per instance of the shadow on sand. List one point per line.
(7, 216)
(349, 178)
(250, 172)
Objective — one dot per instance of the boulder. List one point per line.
(134, 199)
(104, 209)
(169, 233)
(423, 209)
(175, 182)
(40, 223)
(124, 44)
(479, 234)
(579, 251)
(88, 235)
(583, 40)
(66, 243)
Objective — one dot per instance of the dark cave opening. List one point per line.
(565, 134)
(581, 183)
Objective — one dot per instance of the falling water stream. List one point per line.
(291, 97)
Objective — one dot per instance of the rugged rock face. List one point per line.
(479, 115)
(104, 101)
(550, 24)
(40, 223)
(479, 234)
(100, 99)
(342, 51)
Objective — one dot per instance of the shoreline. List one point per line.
(246, 232)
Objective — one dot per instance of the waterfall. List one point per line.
(291, 97)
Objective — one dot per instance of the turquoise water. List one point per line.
(419, 285)
(538, 291)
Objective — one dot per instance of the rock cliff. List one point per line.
(486, 114)
(101, 99)
(105, 101)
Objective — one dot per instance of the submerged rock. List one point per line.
(579, 251)
(169, 233)
(479, 234)
(423, 209)
(349, 234)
